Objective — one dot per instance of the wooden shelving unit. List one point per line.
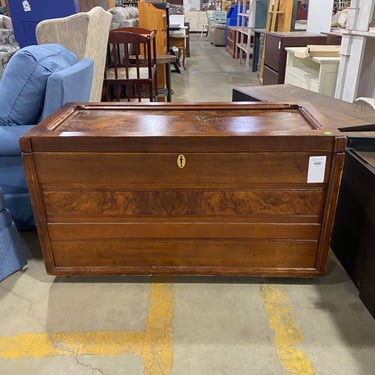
(231, 45)
(245, 26)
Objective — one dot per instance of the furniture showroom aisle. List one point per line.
(184, 325)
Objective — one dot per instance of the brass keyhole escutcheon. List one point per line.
(181, 161)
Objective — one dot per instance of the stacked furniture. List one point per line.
(48, 76)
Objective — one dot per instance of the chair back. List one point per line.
(130, 71)
(85, 34)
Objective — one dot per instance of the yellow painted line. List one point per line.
(154, 345)
(287, 334)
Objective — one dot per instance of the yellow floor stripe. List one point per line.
(154, 345)
(287, 334)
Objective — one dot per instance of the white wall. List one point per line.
(319, 16)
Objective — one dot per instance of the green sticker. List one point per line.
(327, 133)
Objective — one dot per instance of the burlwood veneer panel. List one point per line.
(210, 204)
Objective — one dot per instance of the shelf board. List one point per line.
(245, 30)
(367, 34)
(245, 48)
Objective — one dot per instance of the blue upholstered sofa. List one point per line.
(37, 80)
(12, 249)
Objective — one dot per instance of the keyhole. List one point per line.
(181, 161)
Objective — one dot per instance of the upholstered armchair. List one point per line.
(8, 44)
(85, 34)
(217, 34)
(36, 82)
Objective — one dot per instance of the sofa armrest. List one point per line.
(9, 136)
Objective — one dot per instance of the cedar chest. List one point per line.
(184, 189)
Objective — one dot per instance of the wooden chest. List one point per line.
(184, 189)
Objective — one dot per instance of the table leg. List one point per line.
(168, 81)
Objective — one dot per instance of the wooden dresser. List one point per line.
(275, 54)
(184, 189)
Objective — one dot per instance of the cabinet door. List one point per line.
(270, 77)
(273, 52)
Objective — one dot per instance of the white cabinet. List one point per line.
(318, 74)
(196, 19)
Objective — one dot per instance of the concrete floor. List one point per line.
(184, 326)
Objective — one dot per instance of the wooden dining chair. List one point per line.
(130, 71)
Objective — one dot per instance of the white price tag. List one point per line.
(317, 167)
(26, 6)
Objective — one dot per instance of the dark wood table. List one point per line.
(340, 113)
(167, 59)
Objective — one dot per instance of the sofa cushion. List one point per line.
(23, 84)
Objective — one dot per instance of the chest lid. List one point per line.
(171, 127)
